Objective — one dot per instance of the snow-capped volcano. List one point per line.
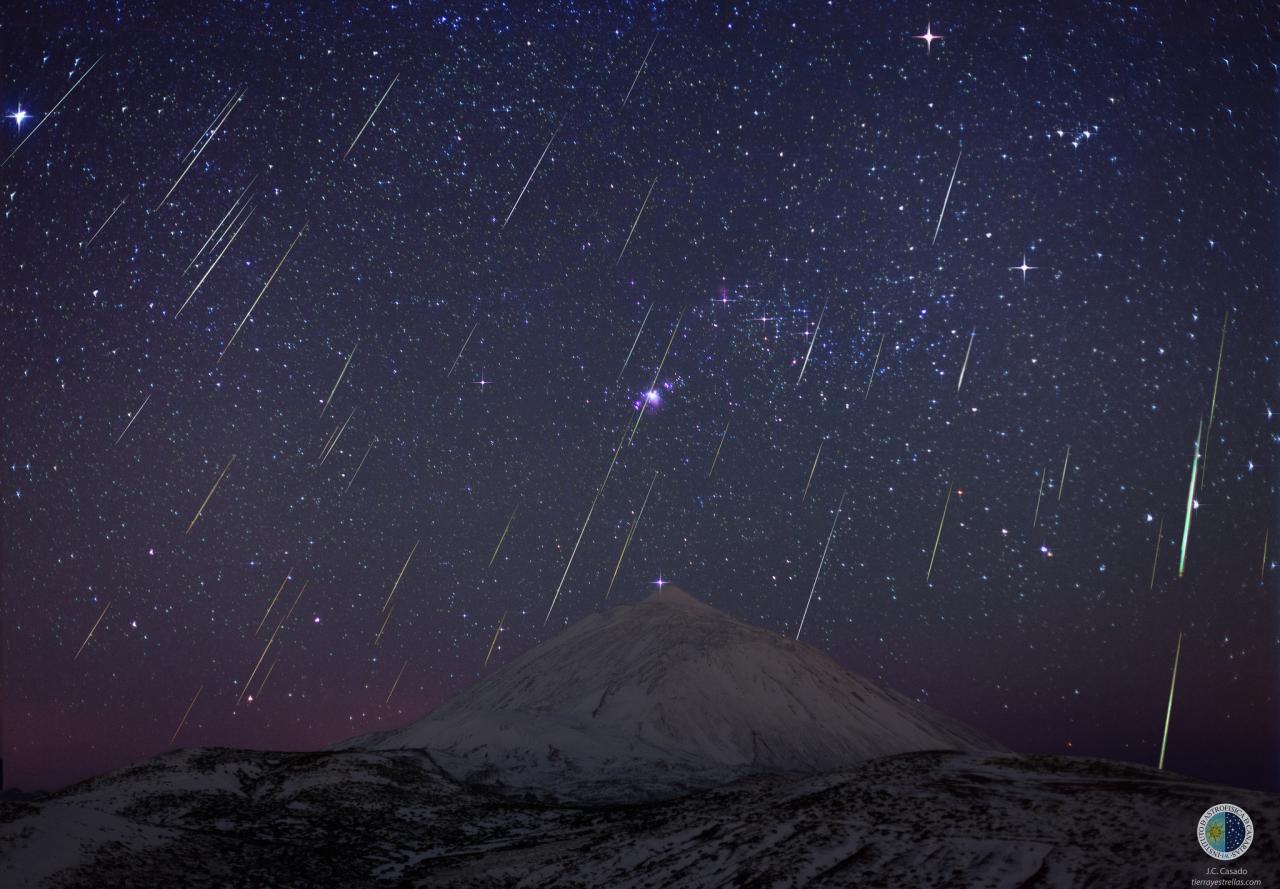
(651, 698)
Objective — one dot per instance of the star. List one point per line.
(19, 116)
(1024, 268)
(928, 37)
(660, 583)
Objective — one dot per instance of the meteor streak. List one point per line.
(264, 289)
(495, 638)
(531, 175)
(812, 340)
(340, 376)
(821, 562)
(812, 469)
(965, 366)
(200, 511)
(263, 684)
(371, 114)
(397, 682)
(503, 537)
(378, 637)
(630, 533)
(463, 349)
(104, 224)
(947, 198)
(639, 70)
(333, 442)
(1156, 560)
(248, 681)
(273, 602)
(1063, 483)
(1191, 502)
(569, 564)
(217, 259)
(185, 715)
(633, 343)
(50, 112)
(656, 375)
(217, 228)
(91, 632)
(636, 222)
(938, 539)
(1266, 538)
(1039, 497)
(1169, 710)
(718, 447)
(373, 442)
(204, 141)
(402, 570)
(874, 365)
(131, 419)
(1213, 405)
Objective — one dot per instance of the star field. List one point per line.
(776, 176)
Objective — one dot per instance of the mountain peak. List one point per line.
(673, 595)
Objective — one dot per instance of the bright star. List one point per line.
(660, 583)
(19, 116)
(928, 37)
(1024, 268)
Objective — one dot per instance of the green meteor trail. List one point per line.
(1169, 710)
(1191, 500)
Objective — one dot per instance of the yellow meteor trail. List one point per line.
(938, 539)
(394, 684)
(630, 533)
(200, 511)
(1062, 484)
(217, 259)
(821, 562)
(965, 366)
(812, 469)
(1156, 559)
(131, 419)
(92, 631)
(813, 339)
(370, 119)
(340, 376)
(718, 447)
(185, 715)
(495, 638)
(273, 601)
(1169, 710)
(503, 537)
(400, 575)
(276, 271)
(874, 365)
(296, 600)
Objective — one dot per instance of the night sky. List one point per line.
(1114, 198)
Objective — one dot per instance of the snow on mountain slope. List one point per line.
(667, 694)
